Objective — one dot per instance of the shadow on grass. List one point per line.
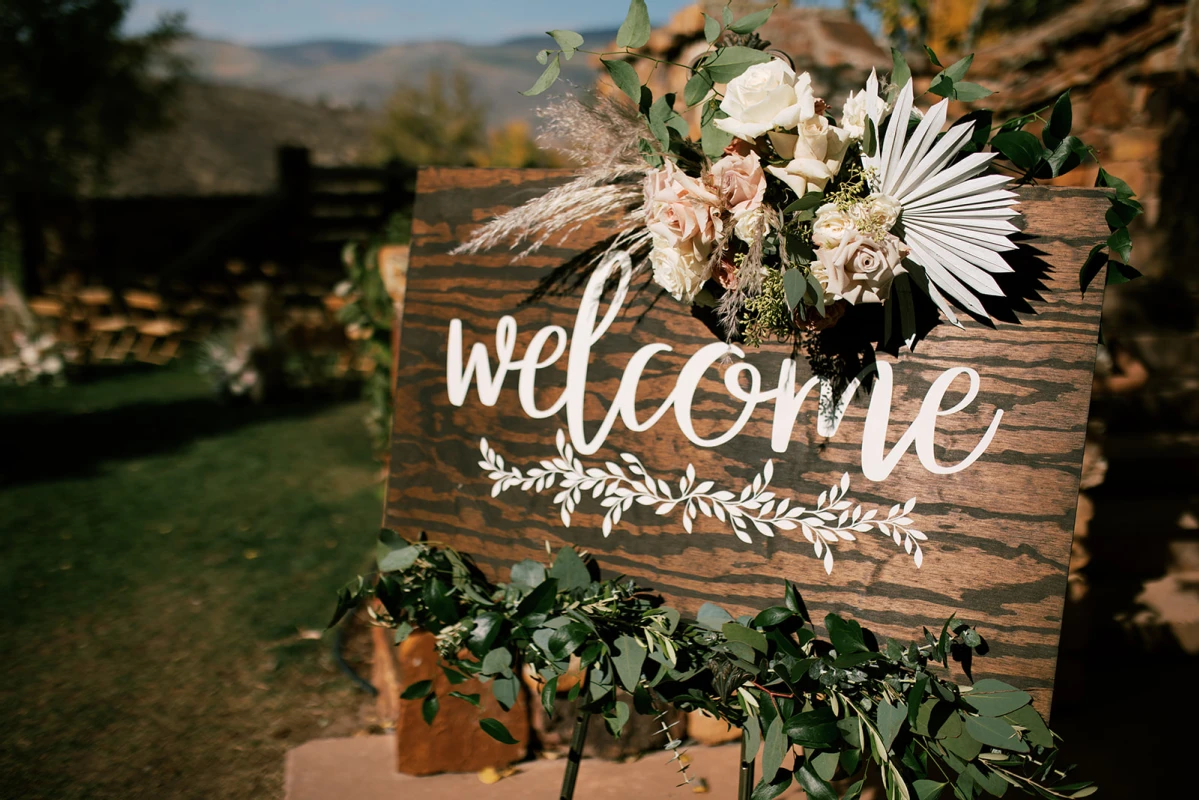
(50, 445)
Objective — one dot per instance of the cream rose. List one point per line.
(679, 208)
(877, 212)
(766, 96)
(860, 269)
(740, 183)
(830, 226)
(856, 109)
(815, 152)
(681, 271)
(751, 226)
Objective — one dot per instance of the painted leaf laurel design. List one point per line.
(834, 519)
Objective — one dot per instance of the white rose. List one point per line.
(829, 228)
(680, 271)
(766, 96)
(816, 151)
(861, 269)
(878, 211)
(750, 226)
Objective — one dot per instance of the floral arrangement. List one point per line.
(785, 216)
(854, 704)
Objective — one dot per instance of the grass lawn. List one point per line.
(161, 555)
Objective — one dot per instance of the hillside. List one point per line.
(357, 74)
(224, 142)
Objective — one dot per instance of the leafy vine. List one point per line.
(855, 704)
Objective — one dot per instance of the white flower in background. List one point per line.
(863, 105)
(955, 220)
(751, 226)
(860, 269)
(877, 212)
(680, 270)
(764, 97)
(830, 225)
(815, 152)
(679, 208)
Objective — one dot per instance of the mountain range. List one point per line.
(354, 74)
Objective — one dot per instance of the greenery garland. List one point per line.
(850, 702)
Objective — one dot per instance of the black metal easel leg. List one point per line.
(745, 782)
(577, 740)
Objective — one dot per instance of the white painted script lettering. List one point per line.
(742, 381)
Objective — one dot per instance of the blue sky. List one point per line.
(480, 21)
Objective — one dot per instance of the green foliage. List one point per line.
(371, 313)
(1057, 153)
(434, 124)
(852, 704)
(666, 130)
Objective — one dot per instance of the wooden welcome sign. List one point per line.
(539, 404)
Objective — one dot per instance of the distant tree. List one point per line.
(434, 125)
(440, 125)
(74, 91)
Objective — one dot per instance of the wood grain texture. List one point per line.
(999, 531)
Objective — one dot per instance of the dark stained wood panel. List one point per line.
(999, 531)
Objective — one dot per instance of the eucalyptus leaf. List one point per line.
(635, 30)
(795, 285)
(473, 699)
(628, 661)
(399, 559)
(552, 70)
(570, 571)
(891, 719)
(736, 632)
(825, 764)
(697, 88)
(528, 573)
(968, 92)
(625, 77)
(993, 698)
(712, 616)
(506, 690)
(618, 718)
(995, 733)
(714, 140)
(729, 62)
(569, 41)
(497, 661)
(712, 29)
(751, 22)
(928, 790)
(774, 749)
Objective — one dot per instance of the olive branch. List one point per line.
(834, 519)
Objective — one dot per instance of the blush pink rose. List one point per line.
(679, 208)
(740, 183)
